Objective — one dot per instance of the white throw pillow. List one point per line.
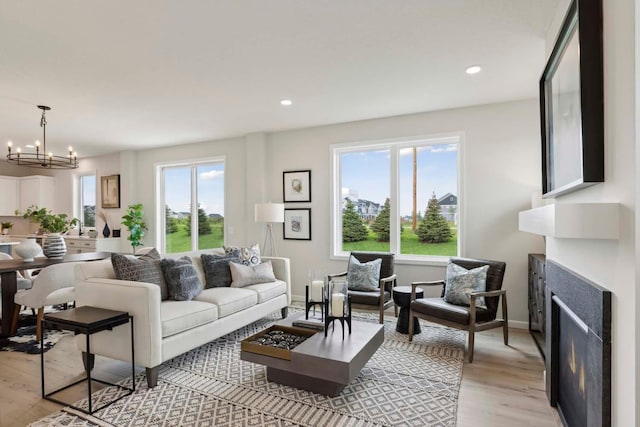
(245, 275)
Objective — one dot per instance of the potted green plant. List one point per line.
(54, 245)
(132, 219)
(49, 222)
(6, 226)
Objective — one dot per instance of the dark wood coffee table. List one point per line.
(323, 365)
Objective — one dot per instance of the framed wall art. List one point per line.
(110, 191)
(572, 103)
(297, 224)
(296, 186)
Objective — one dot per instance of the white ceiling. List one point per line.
(138, 74)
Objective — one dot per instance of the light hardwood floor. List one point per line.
(503, 387)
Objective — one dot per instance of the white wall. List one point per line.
(611, 263)
(108, 164)
(501, 164)
(501, 169)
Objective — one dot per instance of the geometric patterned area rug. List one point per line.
(403, 384)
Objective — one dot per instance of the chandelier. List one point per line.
(42, 158)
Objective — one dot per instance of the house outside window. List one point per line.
(86, 205)
(399, 196)
(191, 206)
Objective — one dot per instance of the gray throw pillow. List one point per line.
(363, 276)
(460, 282)
(245, 275)
(145, 268)
(216, 269)
(248, 256)
(182, 278)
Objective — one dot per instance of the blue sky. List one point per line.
(367, 173)
(89, 190)
(210, 181)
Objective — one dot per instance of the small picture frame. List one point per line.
(110, 191)
(297, 224)
(296, 186)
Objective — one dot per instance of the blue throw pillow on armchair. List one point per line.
(460, 282)
(363, 276)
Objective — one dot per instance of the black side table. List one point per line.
(402, 298)
(86, 320)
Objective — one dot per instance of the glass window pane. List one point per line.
(88, 200)
(210, 205)
(177, 198)
(429, 209)
(365, 183)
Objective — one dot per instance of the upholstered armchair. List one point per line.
(469, 318)
(382, 298)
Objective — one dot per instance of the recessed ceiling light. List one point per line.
(30, 146)
(474, 69)
(286, 102)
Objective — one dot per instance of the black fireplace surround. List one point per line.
(578, 348)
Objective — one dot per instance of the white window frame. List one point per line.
(160, 239)
(78, 208)
(394, 146)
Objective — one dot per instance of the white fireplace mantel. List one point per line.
(573, 220)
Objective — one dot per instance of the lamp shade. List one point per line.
(270, 212)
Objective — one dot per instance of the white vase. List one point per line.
(5, 231)
(54, 246)
(27, 249)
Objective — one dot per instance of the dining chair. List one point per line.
(54, 285)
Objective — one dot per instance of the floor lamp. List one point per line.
(270, 213)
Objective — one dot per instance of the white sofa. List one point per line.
(165, 329)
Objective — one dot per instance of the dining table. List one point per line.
(9, 283)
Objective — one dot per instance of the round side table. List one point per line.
(402, 298)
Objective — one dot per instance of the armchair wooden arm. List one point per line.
(333, 276)
(385, 281)
(477, 294)
(389, 279)
(414, 285)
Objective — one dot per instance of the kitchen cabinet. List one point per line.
(9, 199)
(36, 191)
(79, 245)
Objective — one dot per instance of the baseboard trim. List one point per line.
(518, 324)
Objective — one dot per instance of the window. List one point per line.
(191, 206)
(86, 208)
(415, 182)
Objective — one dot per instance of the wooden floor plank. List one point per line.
(503, 387)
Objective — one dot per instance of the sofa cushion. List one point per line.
(229, 300)
(216, 269)
(180, 316)
(243, 275)
(181, 277)
(145, 268)
(267, 291)
(248, 256)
